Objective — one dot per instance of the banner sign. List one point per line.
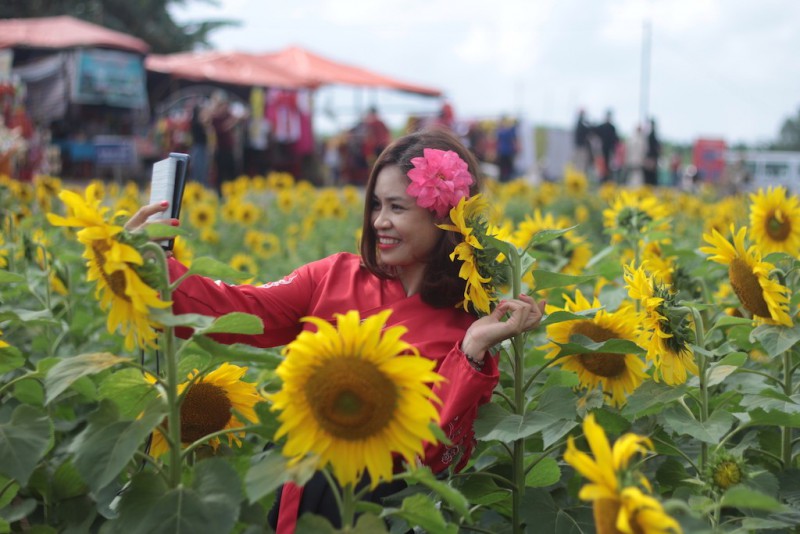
(113, 150)
(109, 77)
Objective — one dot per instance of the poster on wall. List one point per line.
(109, 77)
(6, 60)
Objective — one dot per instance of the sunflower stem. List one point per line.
(155, 252)
(348, 507)
(786, 431)
(518, 346)
(702, 367)
(202, 441)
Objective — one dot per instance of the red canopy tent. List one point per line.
(316, 70)
(237, 68)
(64, 32)
(291, 68)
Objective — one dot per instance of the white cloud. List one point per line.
(727, 66)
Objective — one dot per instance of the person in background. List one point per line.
(606, 132)
(634, 160)
(223, 122)
(651, 156)
(507, 148)
(582, 147)
(198, 152)
(404, 266)
(376, 136)
(675, 165)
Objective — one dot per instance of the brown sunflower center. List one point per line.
(600, 363)
(116, 280)
(205, 409)
(351, 398)
(778, 226)
(745, 284)
(605, 515)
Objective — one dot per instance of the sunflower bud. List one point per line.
(725, 471)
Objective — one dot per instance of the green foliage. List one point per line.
(77, 410)
(150, 21)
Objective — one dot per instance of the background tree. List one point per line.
(789, 136)
(149, 20)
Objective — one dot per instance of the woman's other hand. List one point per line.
(523, 314)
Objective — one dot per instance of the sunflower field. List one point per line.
(660, 394)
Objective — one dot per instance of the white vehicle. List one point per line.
(769, 168)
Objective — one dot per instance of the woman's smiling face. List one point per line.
(405, 234)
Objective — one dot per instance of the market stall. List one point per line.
(83, 89)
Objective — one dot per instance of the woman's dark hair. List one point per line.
(441, 285)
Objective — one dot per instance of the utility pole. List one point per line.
(644, 82)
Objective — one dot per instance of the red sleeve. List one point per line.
(464, 390)
(280, 305)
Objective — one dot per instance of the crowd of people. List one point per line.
(227, 138)
(599, 150)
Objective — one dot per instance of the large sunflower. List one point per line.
(81, 213)
(762, 296)
(642, 514)
(618, 503)
(608, 471)
(208, 405)
(477, 290)
(353, 394)
(775, 221)
(111, 263)
(618, 374)
(666, 332)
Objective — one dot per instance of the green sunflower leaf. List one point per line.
(265, 475)
(776, 339)
(212, 268)
(454, 498)
(210, 504)
(563, 315)
(580, 344)
(159, 231)
(650, 398)
(24, 440)
(269, 358)
(743, 497)
(544, 473)
(776, 418)
(107, 445)
(235, 323)
(129, 390)
(548, 280)
(7, 277)
(495, 423)
(420, 511)
(10, 358)
(710, 431)
(63, 374)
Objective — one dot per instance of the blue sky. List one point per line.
(720, 68)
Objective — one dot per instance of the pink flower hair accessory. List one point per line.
(439, 179)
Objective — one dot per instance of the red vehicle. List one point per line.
(708, 155)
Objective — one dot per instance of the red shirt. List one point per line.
(338, 284)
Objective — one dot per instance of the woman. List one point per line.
(404, 266)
